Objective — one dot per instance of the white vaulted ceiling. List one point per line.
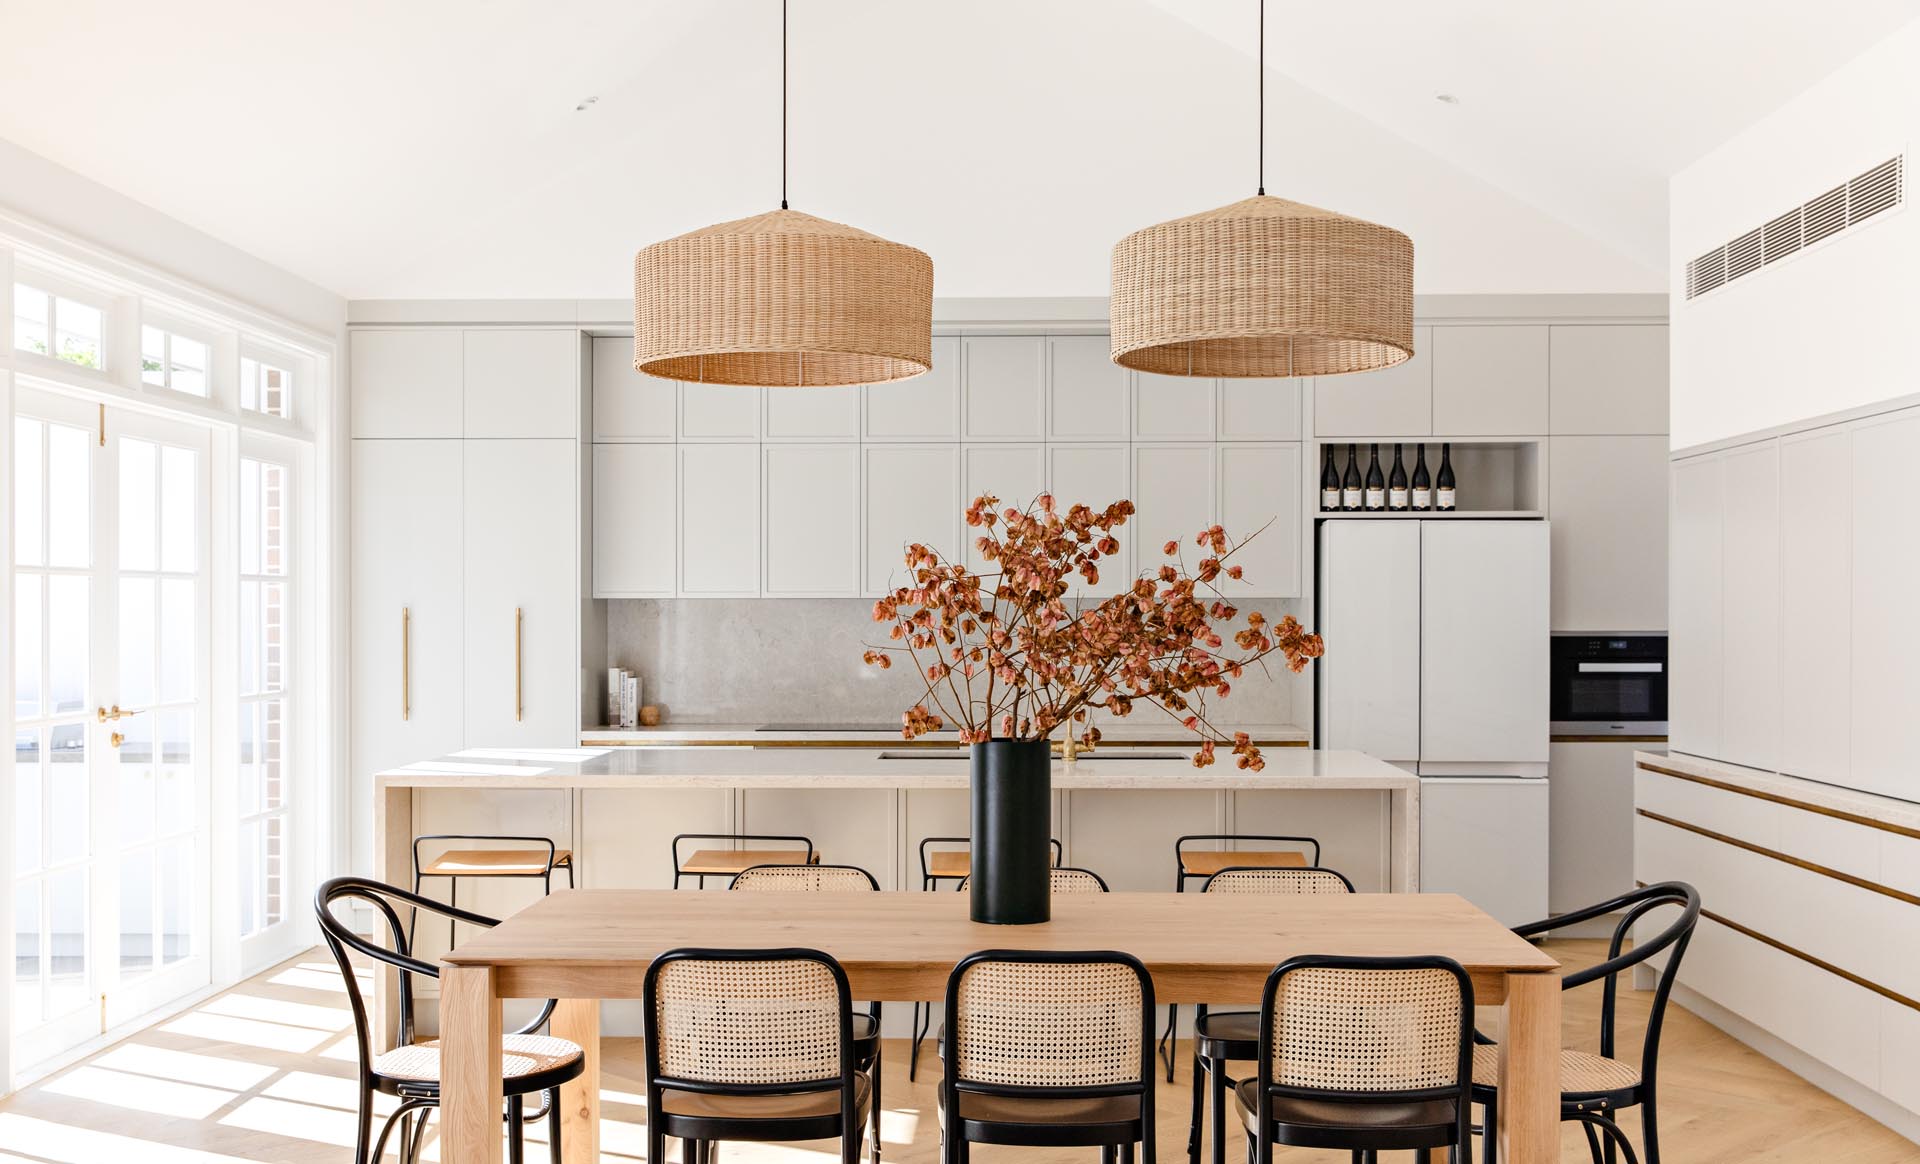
(431, 148)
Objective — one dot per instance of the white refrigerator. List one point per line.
(1437, 660)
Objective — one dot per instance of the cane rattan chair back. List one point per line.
(1309, 880)
(806, 879)
(1068, 879)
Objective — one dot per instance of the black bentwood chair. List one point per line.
(1363, 1055)
(751, 1045)
(1594, 1088)
(1222, 1037)
(1047, 1050)
(411, 1071)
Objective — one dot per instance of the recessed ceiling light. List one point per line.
(1446, 98)
(585, 104)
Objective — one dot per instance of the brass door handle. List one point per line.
(116, 712)
(518, 702)
(406, 662)
(116, 739)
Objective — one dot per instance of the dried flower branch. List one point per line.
(1008, 654)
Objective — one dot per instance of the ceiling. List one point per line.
(432, 148)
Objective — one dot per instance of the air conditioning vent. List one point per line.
(1879, 189)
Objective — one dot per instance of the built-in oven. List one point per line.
(1610, 685)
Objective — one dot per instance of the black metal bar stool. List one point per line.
(533, 857)
(733, 861)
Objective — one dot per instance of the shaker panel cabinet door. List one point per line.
(1693, 638)
(1484, 642)
(1396, 401)
(1089, 400)
(1608, 380)
(523, 383)
(719, 521)
(629, 405)
(1886, 617)
(812, 508)
(1260, 500)
(635, 508)
(523, 594)
(1006, 388)
(1750, 648)
(1489, 381)
(720, 412)
(1095, 476)
(1816, 574)
(1260, 410)
(1370, 617)
(925, 408)
(405, 383)
(1173, 492)
(813, 414)
(1016, 474)
(1173, 408)
(1608, 498)
(912, 495)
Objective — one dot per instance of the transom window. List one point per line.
(265, 388)
(171, 360)
(54, 325)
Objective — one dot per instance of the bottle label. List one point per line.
(1329, 499)
(1376, 498)
(1422, 498)
(1396, 499)
(1446, 499)
(1352, 499)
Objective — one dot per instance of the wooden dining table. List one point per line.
(581, 946)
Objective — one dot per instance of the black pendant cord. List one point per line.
(783, 103)
(1261, 188)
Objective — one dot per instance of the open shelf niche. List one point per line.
(1495, 477)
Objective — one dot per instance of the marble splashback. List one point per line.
(797, 660)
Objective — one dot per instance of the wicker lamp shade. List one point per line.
(1264, 287)
(782, 299)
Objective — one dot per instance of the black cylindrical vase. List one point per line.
(1012, 785)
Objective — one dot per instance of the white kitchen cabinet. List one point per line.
(912, 495)
(408, 629)
(522, 382)
(1095, 476)
(1370, 616)
(1484, 642)
(1005, 388)
(1173, 492)
(720, 412)
(521, 554)
(1396, 401)
(1694, 636)
(1608, 380)
(1016, 474)
(1608, 499)
(1259, 410)
(812, 414)
(1173, 408)
(1260, 494)
(812, 519)
(1816, 575)
(629, 405)
(1590, 795)
(1088, 398)
(635, 514)
(1486, 840)
(1750, 650)
(924, 408)
(1886, 617)
(405, 383)
(719, 522)
(1489, 381)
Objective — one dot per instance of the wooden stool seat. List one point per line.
(728, 862)
(495, 863)
(1207, 862)
(945, 863)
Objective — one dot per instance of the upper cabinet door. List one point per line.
(523, 383)
(1693, 636)
(1015, 474)
(1750, 651)
(1260, 410)
(1006, 388)
(1173, 490)
(1396, 401)
(812, 414)
(1886, 641)
(1816, 574)
(719, 521)
(1095, 476)
(924, 408)
(912, 495)
(1608, 498)
(720, 412)
(1089, 400)
(1609, 380)
(812, 508)
(629, 405)
(635, 511)
(1174, 408)
(1489, 381)
(1483, 642)
(1260, 493)
(405, 383)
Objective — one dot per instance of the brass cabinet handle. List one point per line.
(406, 663)
(518, 702)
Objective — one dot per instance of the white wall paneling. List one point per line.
(406, 383)
(719, 412)
(629, 405)
(1095, 476)
(1694, 634)
(811, 519)
(924, 408)
(1609, 380)
(1016, 474)
(1490, 381)
(1173, 408)
(1370, 611)
(719, 525)
(1005, 388)
(812, 414)
(522, 382)
(1088, 397)
(1260, 487)
(1750, 643)
(1608, 499)
(1816, 583)
(1483, 641)
(912, 495)
(635, 517)
(1886, 617)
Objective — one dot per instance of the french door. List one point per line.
(112, 741)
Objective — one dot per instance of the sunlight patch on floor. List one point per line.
(165, 1097)
(185, 1066)
(253, 1033)
(298, 1121)
(327, 1091)
(65, 1144)
(275, 1010)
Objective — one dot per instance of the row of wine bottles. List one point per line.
(1389, 491)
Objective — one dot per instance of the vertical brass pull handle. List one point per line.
(518, 705)
(406, 663)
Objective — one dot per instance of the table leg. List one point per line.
(392, 865)
(1529, 1108)
(577, 1020)
(470, 1085)
(1404, 840)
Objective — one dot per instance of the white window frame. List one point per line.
(58, 287)
(170, 330)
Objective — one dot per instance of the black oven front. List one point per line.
(1610, 684)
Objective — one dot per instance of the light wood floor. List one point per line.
(265, 1072)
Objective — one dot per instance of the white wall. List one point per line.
(1825, 330)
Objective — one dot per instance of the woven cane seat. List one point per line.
(522, 1055)
(1331, 1115)
(795, 1105)
(495, 863)
(1020, 1109)
(1580, 1073)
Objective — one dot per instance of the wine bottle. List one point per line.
(1443, 484)
(1350, 482)
(1422, 480)
(1376, 483)
(1397, 482)
(1329, 481)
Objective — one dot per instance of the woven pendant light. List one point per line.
(1263, 287)
(782, 299)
